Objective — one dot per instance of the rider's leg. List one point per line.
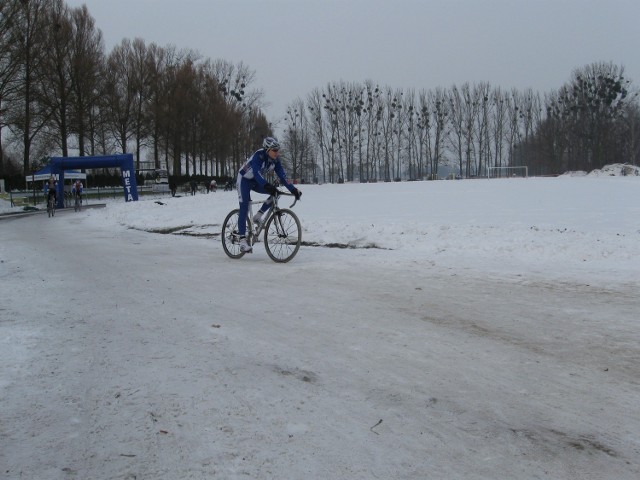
(266, 205)
(244, 197)
(257, 218)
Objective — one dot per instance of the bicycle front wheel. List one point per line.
(229, 235)
(283, 236)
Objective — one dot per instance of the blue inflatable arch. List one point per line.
(124, 162)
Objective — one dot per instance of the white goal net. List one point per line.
(508, 172)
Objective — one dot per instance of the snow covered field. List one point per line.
(489, 330)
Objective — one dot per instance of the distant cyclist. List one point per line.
(251, 177)
(77, 190)
(50, 188)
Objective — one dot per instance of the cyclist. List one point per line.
(77, 189)
(50, 188)
(251, 177)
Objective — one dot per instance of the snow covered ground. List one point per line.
(488, 330)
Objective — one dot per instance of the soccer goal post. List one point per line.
(508, 172)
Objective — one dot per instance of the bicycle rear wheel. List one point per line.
(283, 236)
(229, 235)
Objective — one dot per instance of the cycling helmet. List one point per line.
(271, 143)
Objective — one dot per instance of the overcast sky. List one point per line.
(295, 46)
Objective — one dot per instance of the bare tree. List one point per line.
(26, 116)
(295, 136)
(481, 94)
(373, 117)
(234, 82)
(439, 108)
(87, 67)
(161, 61)
(54, 88)
(315, 106)
(10, 63)
(457, 123)
(180, 99)
(398, 133)
(141, 79)
(299, 152)
(470, 107)
(120, 93)
(500, 103)
(388, 116)
(412, 136)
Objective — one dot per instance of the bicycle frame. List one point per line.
(270, 213)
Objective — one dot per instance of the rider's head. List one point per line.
(271, 143)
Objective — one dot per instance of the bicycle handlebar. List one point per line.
(282, 192)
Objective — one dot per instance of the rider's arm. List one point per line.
(282, 175)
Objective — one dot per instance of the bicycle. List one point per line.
(282, 231)
(51, 205)
(78, 204)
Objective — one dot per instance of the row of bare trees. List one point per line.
(351, 131)
(60, 93)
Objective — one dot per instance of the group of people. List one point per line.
(193, 187)
(51, 188)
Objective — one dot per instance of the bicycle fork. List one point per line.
(277, 221)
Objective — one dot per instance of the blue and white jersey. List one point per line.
(256, 167)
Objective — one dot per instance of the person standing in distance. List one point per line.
(251, 177)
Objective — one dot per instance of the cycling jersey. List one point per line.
(256, 167)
